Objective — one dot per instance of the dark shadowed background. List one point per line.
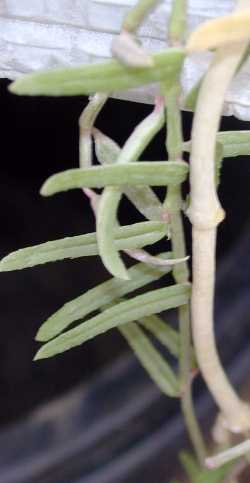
(39, 136)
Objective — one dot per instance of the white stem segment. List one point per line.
(205, 214)
(230, 454)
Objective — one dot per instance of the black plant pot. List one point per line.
(118, 428)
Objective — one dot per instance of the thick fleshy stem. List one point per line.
(205, 214)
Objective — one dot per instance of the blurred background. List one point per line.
(50, 408)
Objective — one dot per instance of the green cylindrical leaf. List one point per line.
(147, 304)
(127, 237)
(143, 134)
(143, 197)
(105, 230)
(140, 275)
(110, 199)
(158, 369)
(235, 143)
(106, 149)
(102, 77)
(158, 173)
(192, 96)
(146, 201)
(86, 122)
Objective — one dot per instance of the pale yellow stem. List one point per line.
(205, 214)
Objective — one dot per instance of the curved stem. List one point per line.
(205, 214)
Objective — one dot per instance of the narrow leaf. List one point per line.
(140, 275)
(219, 152)
(110, 199)
(143, 134)
(105, 230)
(163, 332)
(101, 77)
(86, 122)
(143, 197)
(146, 201)
(235, 143)
(131, 237)
(152, 302)
(106, 149)
(192, 96)
(158, 173)
(158, 369)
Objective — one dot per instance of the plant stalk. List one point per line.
(205, 213)
(173, 204)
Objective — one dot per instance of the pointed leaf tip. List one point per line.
(133, 309)
(105, 77)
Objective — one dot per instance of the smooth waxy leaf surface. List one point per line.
(102, 77)
(152, 302)
(127, 237)
(140, 275)
(159, 173)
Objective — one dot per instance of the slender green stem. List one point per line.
(177, 22)
(180, 272)
(173, 204)
(136, 15)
